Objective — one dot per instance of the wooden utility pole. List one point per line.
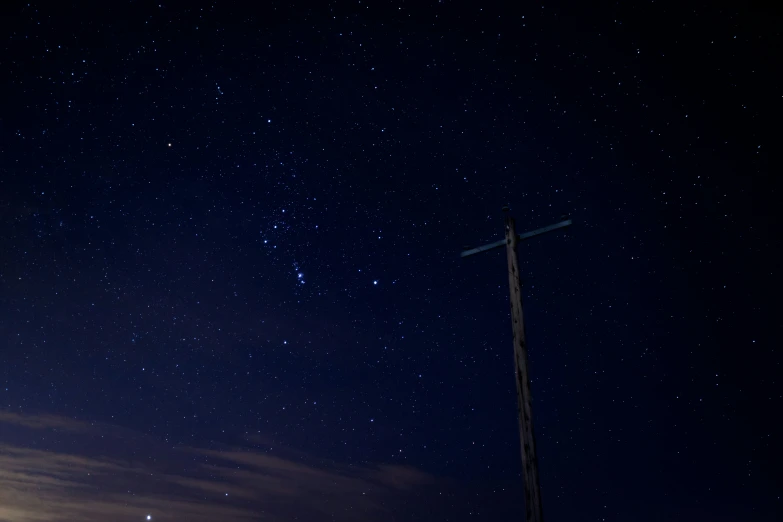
(533, 509)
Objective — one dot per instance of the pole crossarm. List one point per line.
(520, 237)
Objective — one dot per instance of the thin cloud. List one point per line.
(71, 478)
(44, 421)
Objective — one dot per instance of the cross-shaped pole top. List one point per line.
(520, 237)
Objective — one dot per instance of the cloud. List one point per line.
(43, 421)
(57, 469)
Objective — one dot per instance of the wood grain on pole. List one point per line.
(533, 509)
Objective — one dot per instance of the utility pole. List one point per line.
(533, 509)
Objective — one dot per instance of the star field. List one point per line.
(230, 286)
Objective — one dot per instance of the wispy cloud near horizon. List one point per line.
(57, 469)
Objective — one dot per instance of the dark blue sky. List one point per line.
(229, 260)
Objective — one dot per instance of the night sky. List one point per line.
(230, 283)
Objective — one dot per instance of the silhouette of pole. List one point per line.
(533, 507)
(533, 510)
